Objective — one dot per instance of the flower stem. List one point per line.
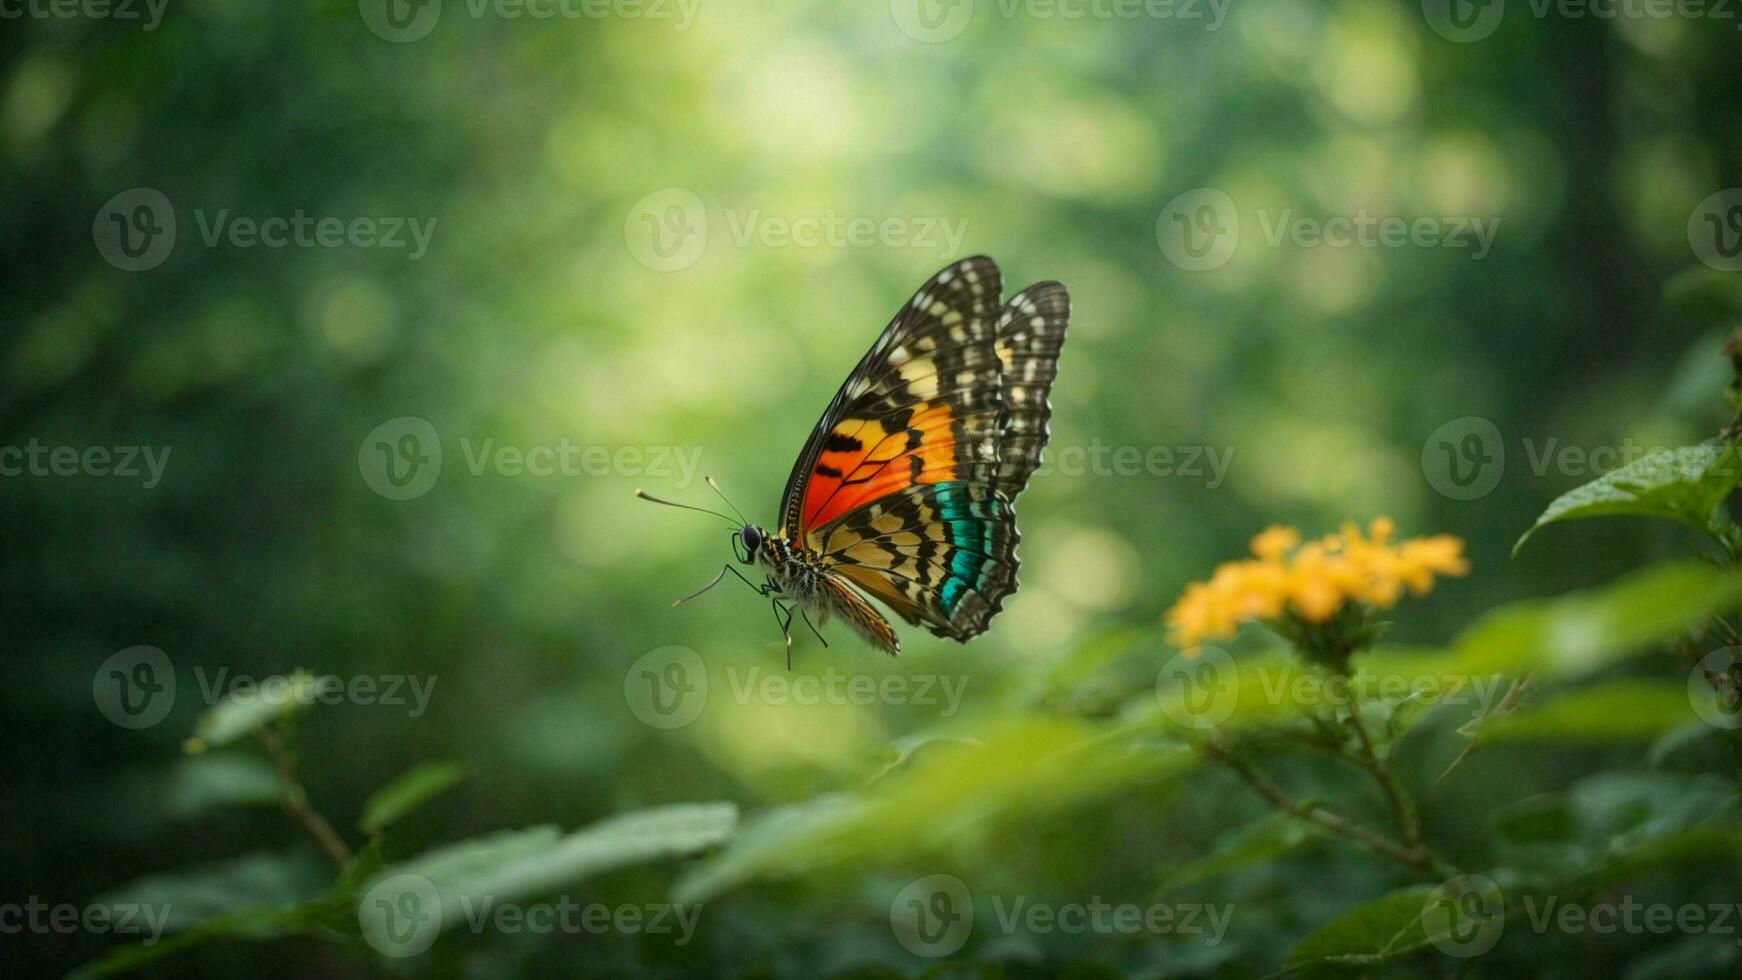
(1408, 819)
(296, 799)
(1416, 856)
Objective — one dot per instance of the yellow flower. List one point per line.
(1312, 581)
(1421, 559)
(1275, 541)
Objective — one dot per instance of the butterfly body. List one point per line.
(904, 491)
(803, 576)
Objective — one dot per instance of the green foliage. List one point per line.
(1621, 710)
(1578, 633)
(517, 864)
(410, 790)
(1071, 771)
(950, 795)
(1614, 825)
(1368, 934)
(241, 712)
(1686, 485)
(1260, 841)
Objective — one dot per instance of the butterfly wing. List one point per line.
(1031, 331)
(941, 554)
(923, 406)
(904, 487)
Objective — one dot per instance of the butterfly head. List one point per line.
(755, 539)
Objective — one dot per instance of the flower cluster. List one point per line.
(1312, 581)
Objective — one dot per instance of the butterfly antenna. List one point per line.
(644, 495)
(713, 582)
(729, 503)
(716, 581)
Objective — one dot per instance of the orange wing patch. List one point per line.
(862, 460)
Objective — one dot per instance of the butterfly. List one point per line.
(905, 491)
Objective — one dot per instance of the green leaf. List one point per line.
(257, 907)
(1262, 840)
(945, 795)
(1705, 295)
(242, 711)
(1616, 823)
(203, 892)
(1575, 633)
(518, 864)
(410, 790)
(1674, 741)
(774, 838)
(196, 784)
(1372, 932)
(253, 923)
(1613, 711)
(1685, 484)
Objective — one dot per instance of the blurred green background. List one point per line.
(545, 152)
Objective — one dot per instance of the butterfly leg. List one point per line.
(760, 589)
(783, 616)
(813, 626)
